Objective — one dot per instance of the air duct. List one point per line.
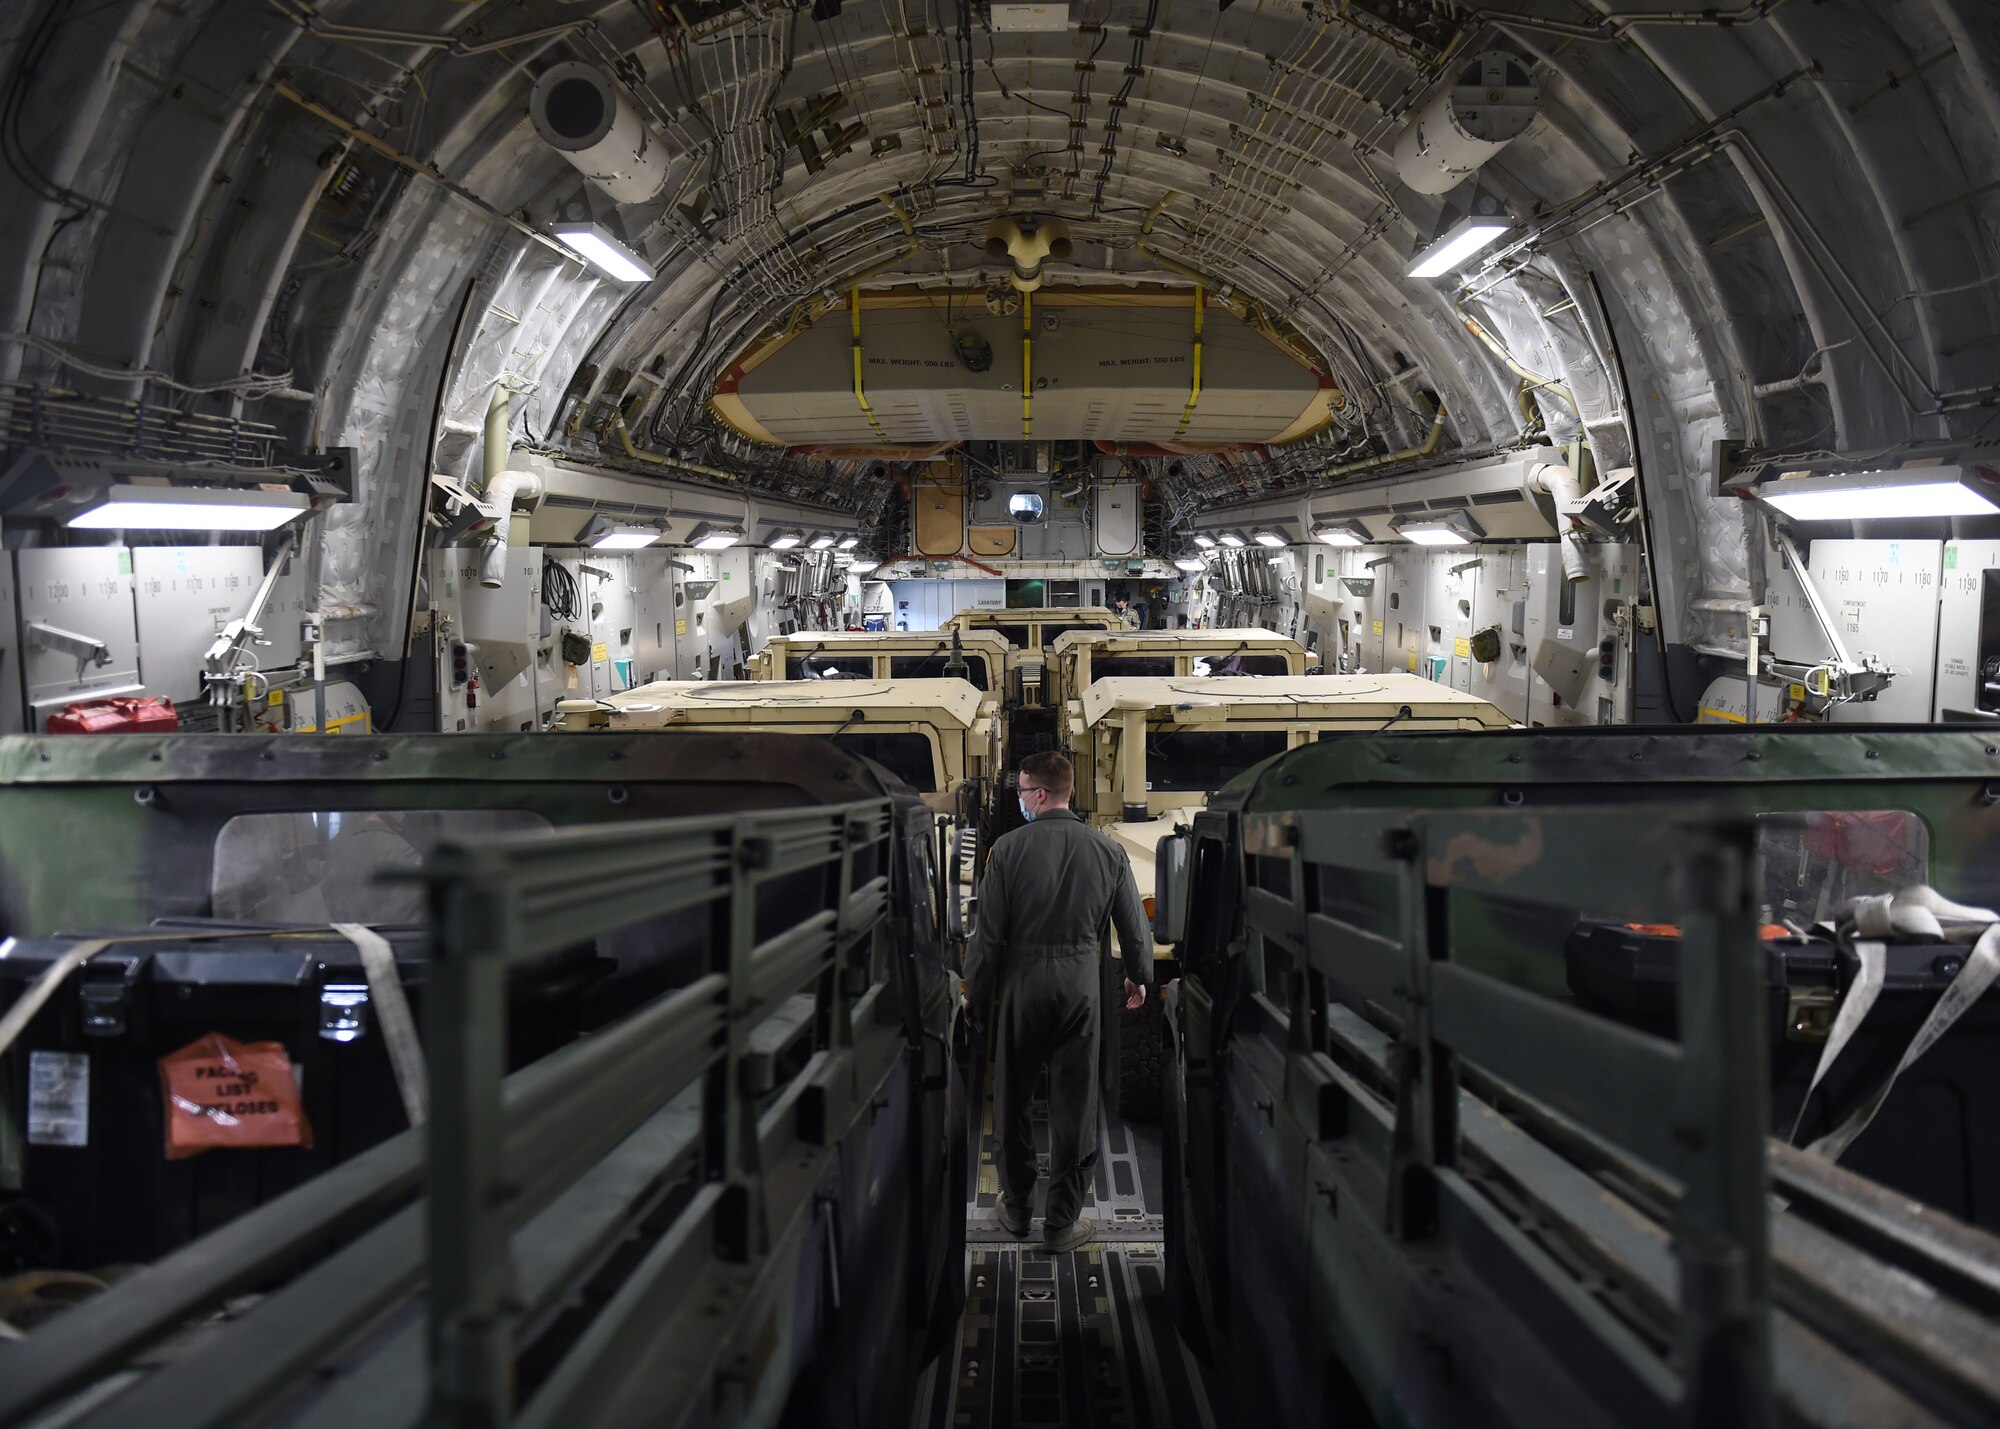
(1488, 105)
(1560, 483)
(1027, 247)
(501, 489)
(584, 117)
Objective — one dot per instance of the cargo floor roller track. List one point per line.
(1080, 1340)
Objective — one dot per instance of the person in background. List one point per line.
(1051, 890)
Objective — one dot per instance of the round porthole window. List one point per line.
(1025, 507)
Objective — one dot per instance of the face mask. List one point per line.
(1026, 812)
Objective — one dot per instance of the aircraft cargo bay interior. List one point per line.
(997, 714)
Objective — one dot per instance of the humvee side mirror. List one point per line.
(1170, 887)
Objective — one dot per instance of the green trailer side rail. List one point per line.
(1498, 1208)
(1696, 1112)
(637, 1172)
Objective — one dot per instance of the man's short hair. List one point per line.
(1049, 771)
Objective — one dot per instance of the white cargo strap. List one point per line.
(392, 1013)
(1915, 912)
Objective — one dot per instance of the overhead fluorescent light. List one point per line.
(1341, 533)
(821, 541)
(603, 533)
(1235, 540)
(1438, 528)
(714, 538)
(785, 540)
(1907, 493)
(593, 243)
(1266, 537)
(1191, 563)
(190, 508)
(1204, 540)
(1457, 246)
(849, 541)
(863, 565)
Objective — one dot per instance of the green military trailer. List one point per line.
(1553, 1077)
(733, 1174)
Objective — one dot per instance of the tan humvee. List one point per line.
(881, 655)
(1149, 747)
(1080, 658)
(1035, 628)
(934, 734)
(1031, 715)
(1149, 751)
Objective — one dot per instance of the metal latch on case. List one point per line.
(343, 1012)
(106, 995)
(1809, 1013)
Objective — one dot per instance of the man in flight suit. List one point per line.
(1050, 891)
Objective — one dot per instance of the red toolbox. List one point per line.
(119, 716)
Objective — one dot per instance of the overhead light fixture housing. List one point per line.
(1191, 563)
(863, 565)
(849, 541)
(1205, 541)
(594, 245)
(1264, 536)
(821, 541)
(1341, 533)
(605, 533)
(190, 508)
(1234, 540)
(1911, 492)
(1438, 528)
(785, 540)
(707, 537)
(1458, 245)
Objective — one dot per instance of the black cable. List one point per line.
(559, 590)
(12, 148)
(669, 389)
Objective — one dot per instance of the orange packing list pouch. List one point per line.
(221, 1092)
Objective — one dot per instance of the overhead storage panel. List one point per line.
(1111, 366)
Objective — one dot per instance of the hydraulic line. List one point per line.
(1407, 454)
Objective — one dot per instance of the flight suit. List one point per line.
(1051, 889)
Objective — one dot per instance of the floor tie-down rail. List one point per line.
(1518, 1212)
(603, 1225)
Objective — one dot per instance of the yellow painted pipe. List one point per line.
(861, 396)
(1027, 363)
(1194, 386)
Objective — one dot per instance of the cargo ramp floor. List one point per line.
(1080, 1339)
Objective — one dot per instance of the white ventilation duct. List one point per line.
(502, 488)
(584, 117)
(1560, 483)
(1488, 104)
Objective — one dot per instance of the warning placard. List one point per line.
(223, 1093)
(58, 1099)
